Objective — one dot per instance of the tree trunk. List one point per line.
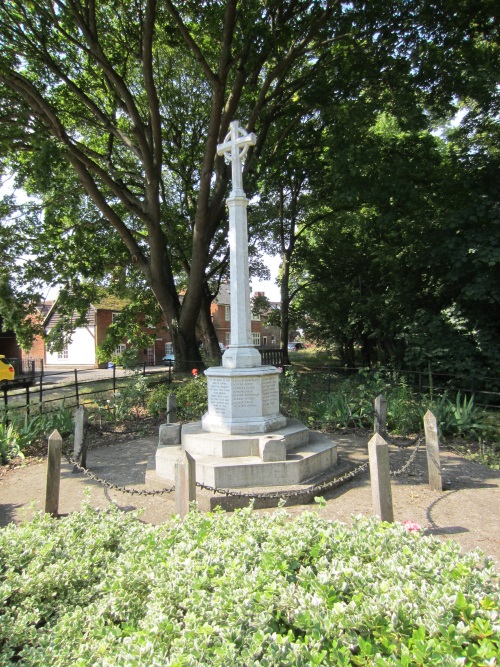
(285, 305)
(207, 329)
(162, 282)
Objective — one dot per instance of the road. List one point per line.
(53, 375)
(57, 375)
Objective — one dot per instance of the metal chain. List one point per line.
(115, 487)
(315, 488)
(400, 471)
(323, 487)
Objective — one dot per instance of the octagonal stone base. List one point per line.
(291, 455)
(243, 400)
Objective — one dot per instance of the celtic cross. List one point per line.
(234, 149)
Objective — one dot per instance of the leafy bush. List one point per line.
(191, 399)
(9, 442)
(340, 410)
(131, 395)
(349, 402)
(156, 404)
(102, 588)
(460, 417)
(28, 430)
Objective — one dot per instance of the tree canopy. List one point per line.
(112, 113)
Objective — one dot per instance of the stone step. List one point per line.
(199, 442)
(307, 462)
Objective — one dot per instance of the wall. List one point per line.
(81, 350)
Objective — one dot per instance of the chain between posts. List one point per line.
(403, 469)
(315, 488)
(111, 485)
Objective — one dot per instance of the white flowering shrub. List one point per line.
(243, 589)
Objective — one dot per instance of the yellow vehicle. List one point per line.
(6, 369)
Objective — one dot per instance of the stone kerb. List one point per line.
(170, 434)
(272, 448)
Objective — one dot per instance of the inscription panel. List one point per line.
(219, 397)
(246, 397)
(270, 395)
(243, 397)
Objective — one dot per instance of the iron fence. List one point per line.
(485, 389)
(46, 390)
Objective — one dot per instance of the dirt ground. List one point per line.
(468, 509)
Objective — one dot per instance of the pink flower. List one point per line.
(411, 526)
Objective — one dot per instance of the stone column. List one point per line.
(240, 353)
(243, 395)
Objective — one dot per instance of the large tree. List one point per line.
(135, 96)
(408, 273)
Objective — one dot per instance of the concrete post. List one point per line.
(380, 477)
(185, 483)
(53, 474)
(380, 419)
(432, 448)
(171, 408)
(80, 446)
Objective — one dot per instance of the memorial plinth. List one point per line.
(243, 400)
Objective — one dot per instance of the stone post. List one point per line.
(80, 446)
(171, 408)
(432, 448)
(380, 477)
(380, 419)
(53, 474)
(185, 483)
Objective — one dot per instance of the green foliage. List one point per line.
(22, 432)
(460, 417)
(340, 410)
(191, 398)
(133, 394)
(348, 401)
(9, 442)
(101, 588)
(156, 404)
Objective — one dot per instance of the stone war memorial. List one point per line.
(243, 441)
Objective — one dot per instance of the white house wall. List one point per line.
(81, 350)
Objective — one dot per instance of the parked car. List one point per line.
(6, 369)
(296, 345)
(168, 360)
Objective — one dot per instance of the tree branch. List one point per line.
(193, 46)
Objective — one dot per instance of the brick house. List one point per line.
(82, 349)
(262, 335)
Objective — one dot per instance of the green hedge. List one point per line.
(103, 589)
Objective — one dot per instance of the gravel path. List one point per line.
(468, 510)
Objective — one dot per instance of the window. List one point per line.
(227, 313)
(256, 317)
(228, 338)
(169, 348)
(273, 340)
(63, 354)
(120, 349)
(114, 316)
(264, 340)
(255, 338)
